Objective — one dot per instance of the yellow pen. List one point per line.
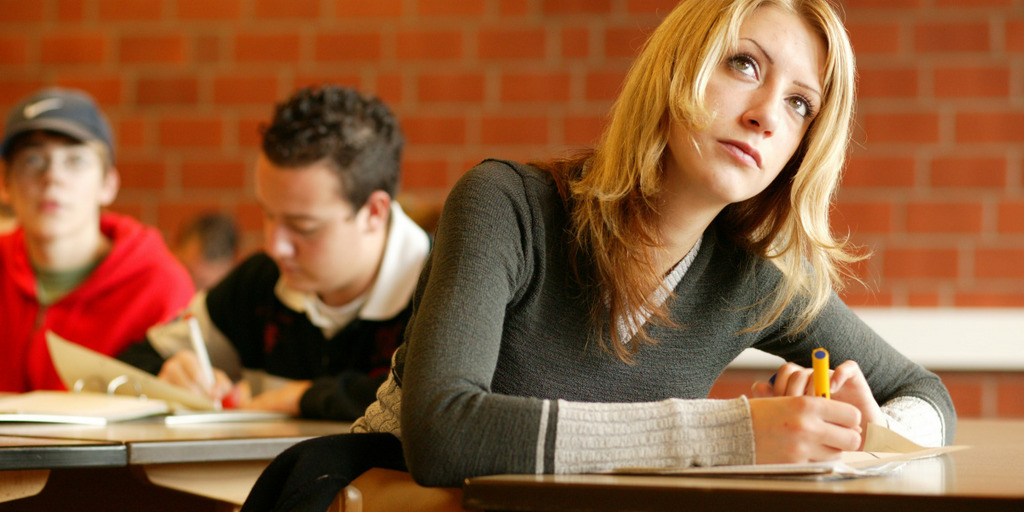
(819, 362)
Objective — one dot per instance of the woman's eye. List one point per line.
(801, 106)
(744, 64)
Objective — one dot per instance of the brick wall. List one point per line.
(935, 186)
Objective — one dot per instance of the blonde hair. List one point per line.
(613, 193)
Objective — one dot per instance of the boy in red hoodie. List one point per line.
(98, 279)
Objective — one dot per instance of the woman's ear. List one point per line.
(110, 186)
(378, 207)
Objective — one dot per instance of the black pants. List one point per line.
(307, 476)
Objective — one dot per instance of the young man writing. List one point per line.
(311, 322)
(98, 279)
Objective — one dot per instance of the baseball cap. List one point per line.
(67, 111)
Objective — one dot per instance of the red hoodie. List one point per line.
(137, 285)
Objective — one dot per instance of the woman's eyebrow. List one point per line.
(768, 57)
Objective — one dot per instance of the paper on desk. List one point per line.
(884, 452)
(76, 363)
(81, 408)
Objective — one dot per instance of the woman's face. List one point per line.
(763, 96)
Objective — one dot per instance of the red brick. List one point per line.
(920, 263)
(235, 90)
(557, 7)
(163, 91)
(371, 9)
(208, 49)
(282, 48)
(217, 174)
(660, 7)
(1010, 395)
(625, 42)
(1011, 217)
(13, 91)
(512, 43)
(426, 130)
(575, 43)
(424, 174)
(249, 216)
(514, 130)
(866, 298)
(457, 88)
(964, 172)
(390, 88)
(248, 135)
(430, 44)
(207, 10)
(971, 299)
(132, 209)
(1015, 35)
(999, 263)
(882, 4)
(967, 391)
(73, 49)
(106, 90)
(513, 7)
(318, 79)
(131, 133)
(155, 49)
(13, 51)
(142, 174)
(278, 9)
(888, 83)
(863, 217)
(535, 87)
(603, 85)
(178, 132)
(130, 10)
(874, 38)
(944, 217)
(969, 82)
(17, 11)
(923, 299)
(875, 172)
(973, 3)
(348, 46)
(952, 37)
(583, 130)
(70, 10)
(901, 127)
(460, 8)
(990, 127)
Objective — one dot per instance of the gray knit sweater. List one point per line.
(498, 374)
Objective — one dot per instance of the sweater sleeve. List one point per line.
(454, 337)
(454, 426)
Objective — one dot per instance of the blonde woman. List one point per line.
(573, 317)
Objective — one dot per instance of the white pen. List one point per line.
(199, 347)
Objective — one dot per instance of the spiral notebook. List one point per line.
(105, 390)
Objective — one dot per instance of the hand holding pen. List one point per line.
(191, 369)
(845, 383)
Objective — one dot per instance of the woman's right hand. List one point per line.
(798, 429)
(183, 370)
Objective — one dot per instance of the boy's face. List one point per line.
(320, 243)
(57, 185)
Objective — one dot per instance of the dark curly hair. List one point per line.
(357, 135)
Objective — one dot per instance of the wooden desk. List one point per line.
(988, 476)
(25, 462)
(115, 467)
